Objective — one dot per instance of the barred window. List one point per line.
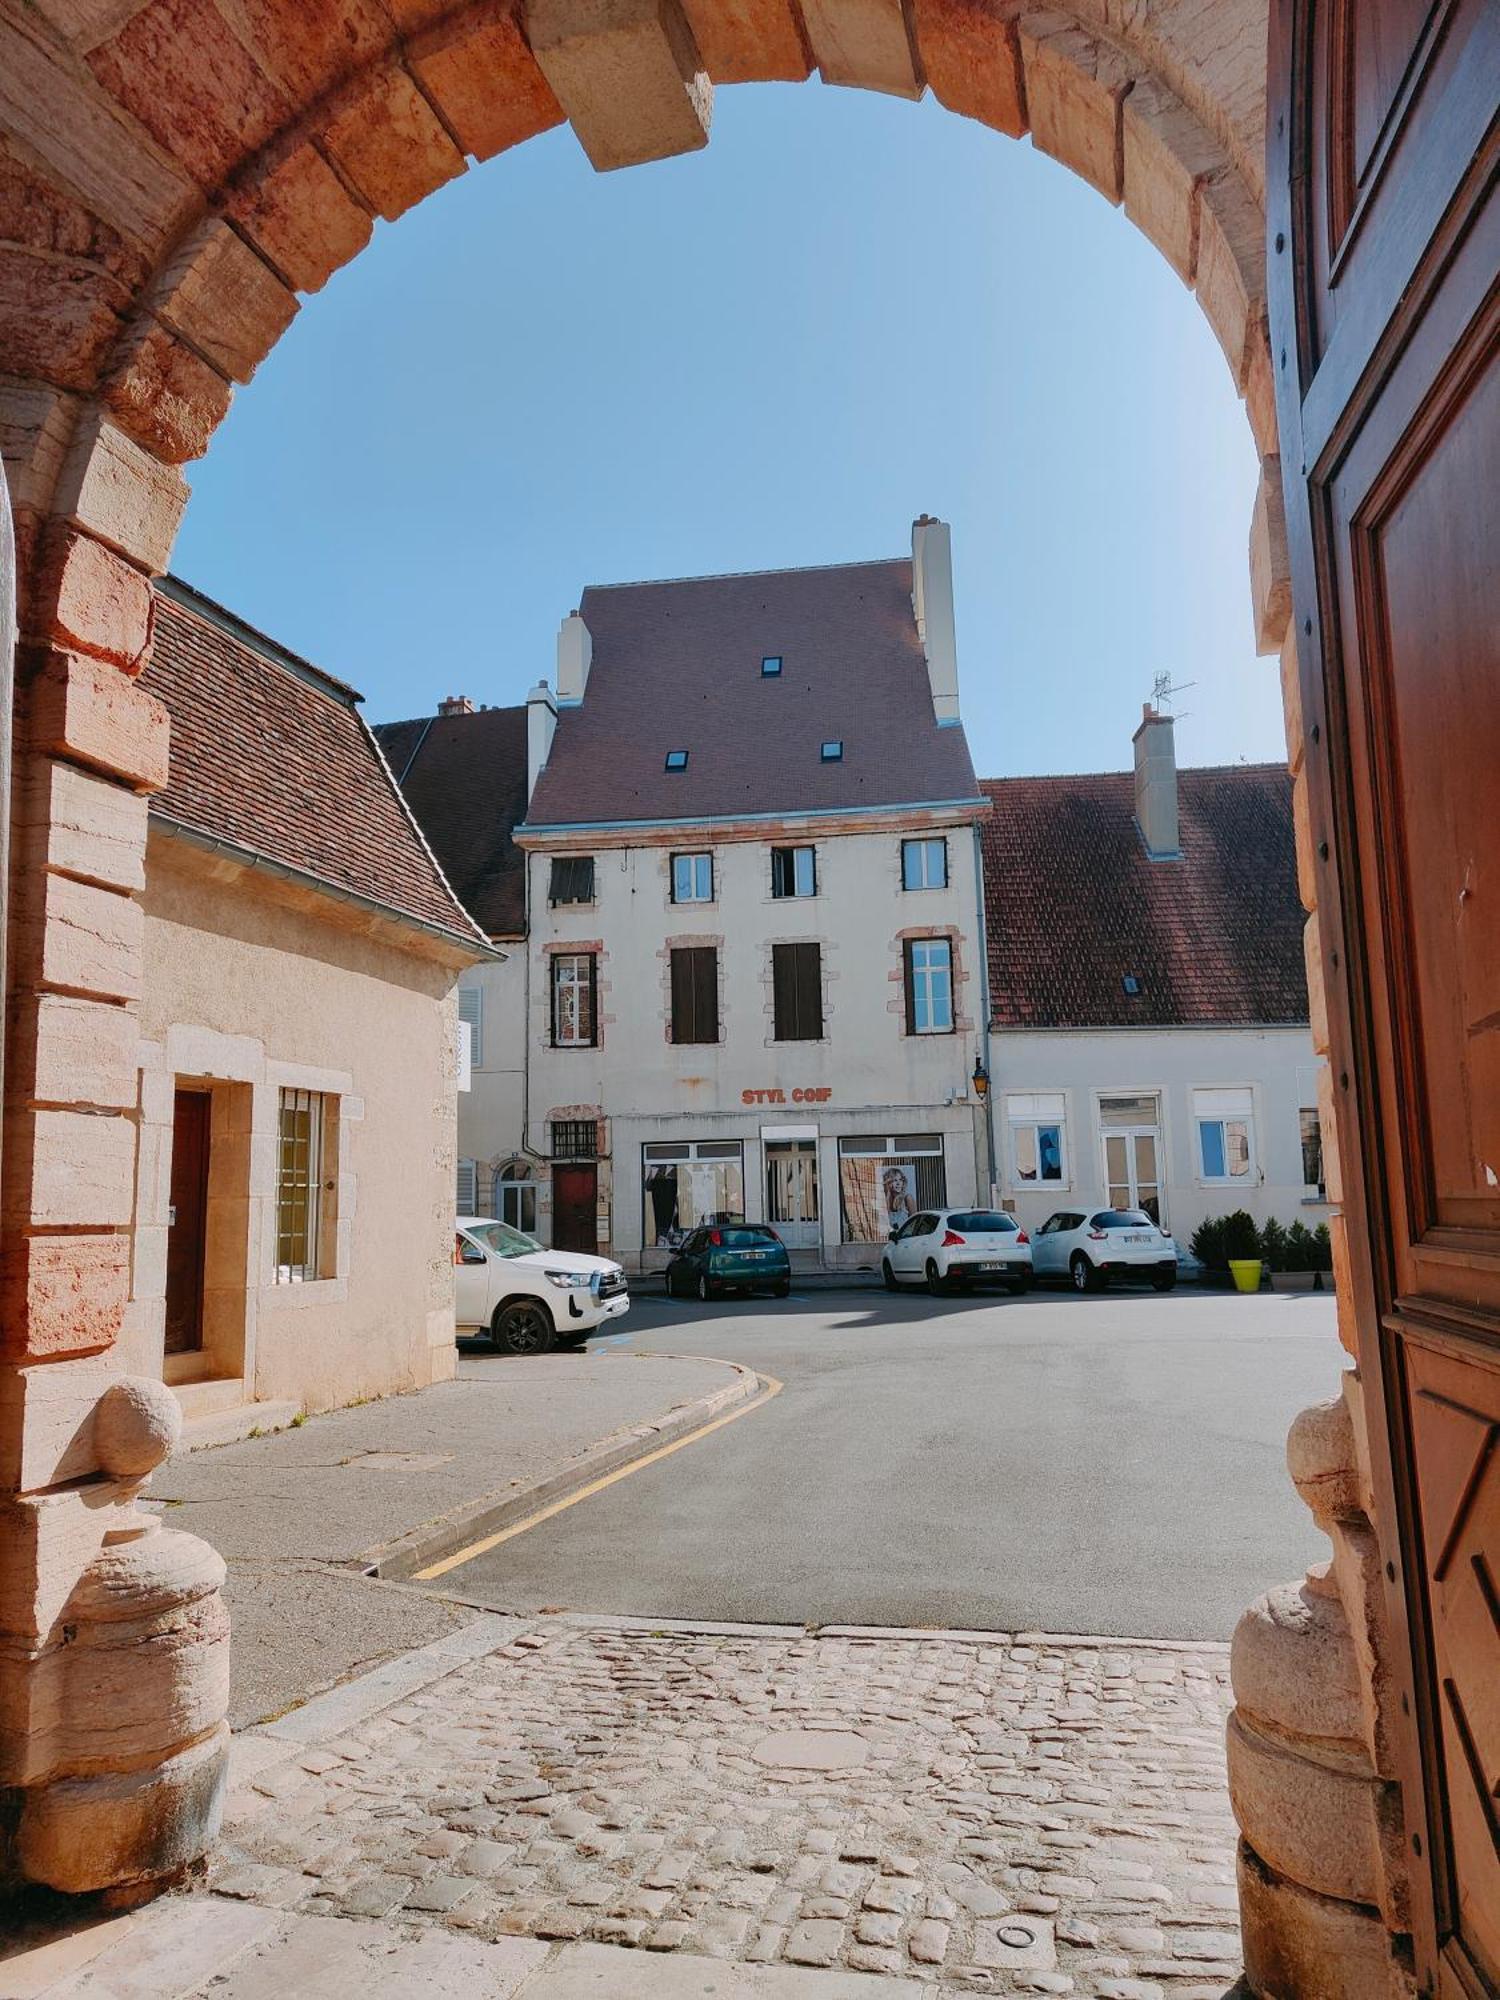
(575, 1139)
(304, 1187)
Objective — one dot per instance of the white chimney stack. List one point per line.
(541, 727)
(1156, 785)
(932, 600)
(575, 653)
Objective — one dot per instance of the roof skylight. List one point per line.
(833, 751)
(677, 760)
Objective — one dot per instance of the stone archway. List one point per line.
(174, 174)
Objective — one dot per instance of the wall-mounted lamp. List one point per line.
(981, 1079)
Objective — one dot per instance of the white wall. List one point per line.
(490, 1110)
(1277, 1065)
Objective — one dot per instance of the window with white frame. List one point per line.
(516, 1196)
(471, 1009)
(692, 878)
(924, 864)
(929, 986)
(1038, 1128)
(306, 1180)
(1225, 1124)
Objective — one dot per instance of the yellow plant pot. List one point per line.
(1246, 1273)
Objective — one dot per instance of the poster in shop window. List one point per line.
(879, 1195)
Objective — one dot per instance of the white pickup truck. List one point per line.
(529, 1299)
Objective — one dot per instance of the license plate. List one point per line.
(994, 1267)
(1137, 1239)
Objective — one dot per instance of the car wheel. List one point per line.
(523, 1326)
(782, 1289)
(889, 1275)
(1085, 1277)
(935, 1281)
(705, 1289)
(1163, 1281)
(1015, 1286)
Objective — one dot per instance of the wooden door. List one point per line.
(187, 1233)
(1384, 247)
(575, 1192)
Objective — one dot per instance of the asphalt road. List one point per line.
(1110, 1464)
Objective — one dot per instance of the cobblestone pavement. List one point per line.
(1001, 1815)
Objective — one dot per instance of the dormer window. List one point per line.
(1132, 985)
(677, 760)
(832, 752)
(770, 666)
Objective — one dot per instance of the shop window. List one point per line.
(572, 879)
(575, 1139)
(692, 878)
(1312, 1152)
(1037, 1125)
(924, 864)
(884, 1182)
(794, 871)
(695, 993)
(687, 1185)
(306, 1184)
(1225, 1121)
(471, 1010)
(575, 988)
(797, 991)
(929, 986)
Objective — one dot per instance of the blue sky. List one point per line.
(848, 311)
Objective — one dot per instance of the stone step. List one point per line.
(229, 1426)
(214, 1392)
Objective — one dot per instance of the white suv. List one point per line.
(527, 1298)
(1091, 1246)
(954, 1247)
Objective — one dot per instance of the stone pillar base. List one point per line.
(1302, 1946)
(81, 1834)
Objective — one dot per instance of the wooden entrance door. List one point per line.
(575, 1204)
(1384, 225)
(187, 1232)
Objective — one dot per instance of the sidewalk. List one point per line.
(298, 1514)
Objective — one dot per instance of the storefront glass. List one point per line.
(689, 1183)
(884, 1182)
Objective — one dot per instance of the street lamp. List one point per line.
(981, 1079)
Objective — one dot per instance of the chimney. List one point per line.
(541, 727)
(932, 600)
(575, 653)
(456, 704)
(1156, 785)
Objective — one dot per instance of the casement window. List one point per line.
(306, 1182)
(794, 871)
(929, 986)
(468, 1188)
(692, 878)
(1225, 1123)
(695, 993)
(1037, 1125)
(797, 991)
(471, 1010)
(572, 879)
(1312, 1152)
(884, 1182)
(924, 864)
(575, 987)
(515, 1195)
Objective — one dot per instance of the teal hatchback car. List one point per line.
(730, 1257)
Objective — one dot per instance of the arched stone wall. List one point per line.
(173, 175)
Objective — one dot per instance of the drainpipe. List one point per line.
(984, 1011)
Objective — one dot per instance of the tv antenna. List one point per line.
(1163, 690)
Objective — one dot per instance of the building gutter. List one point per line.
(984, 1016)
(545, 829)
(477, 947)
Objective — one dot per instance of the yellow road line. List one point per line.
(772, 1388)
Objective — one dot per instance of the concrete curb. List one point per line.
(473, 1519)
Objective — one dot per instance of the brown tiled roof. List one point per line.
(464, 777)
(273, 757)
(1073, 904)
(676, 666)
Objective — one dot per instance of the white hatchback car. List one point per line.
(958, 1247)
(1089, 1246)
(527, 1298)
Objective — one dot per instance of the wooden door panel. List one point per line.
(187, 1234)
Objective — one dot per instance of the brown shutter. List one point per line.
(810, 995)
(784, 990)
(706, 993)
(910, 987)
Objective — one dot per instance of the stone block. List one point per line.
(36, 422)
(1074, 89)
(165, 395)
(63, 1294)
(302, 219)
(864, 43)
(1270, 565)
(148, 1262)
(1322, 1461)
(1343, 1284)
(748, 41)
(80, 824)
(486, 82)
(1232, 268)
(1167, 155)
(50, 1539)
(224, 298)
(628, 75)
(1306, 846)
(1328, 1119)
(69, 1169)
(1317, 997)
(58, 319)
(1298, 1942)
(76, 707)
(1291, 703)
(1260, 390)
(66, 1050)
(120, 494)
(972, 61)
(91, 600)
(47, 1421)
(391, 145)
(73, 935)
(1293, 1664)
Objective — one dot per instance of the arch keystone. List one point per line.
(973, 63)
(1074, 89)
(627, 73)
(864, 43)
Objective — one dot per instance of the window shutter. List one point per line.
(682, 997)
(784, 989)
(810, 996)
(910, 985)
(467, 1187)
(706, 993)
(593, 1034)
(471, 1009)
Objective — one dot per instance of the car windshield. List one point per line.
(745, 1239)
(983, 1222)
(1122, 1218)
(501, 1240)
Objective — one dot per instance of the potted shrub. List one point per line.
(1207, 1246)
(1322, 1257)
(1242, 1248)
(1275, 1248)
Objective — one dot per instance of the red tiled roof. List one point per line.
(273, 756)
(676, 666)
(464, 777)
(1073, 903)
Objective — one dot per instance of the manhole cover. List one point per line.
(812, 1750)
(398, 1461)
(1021, 1943)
